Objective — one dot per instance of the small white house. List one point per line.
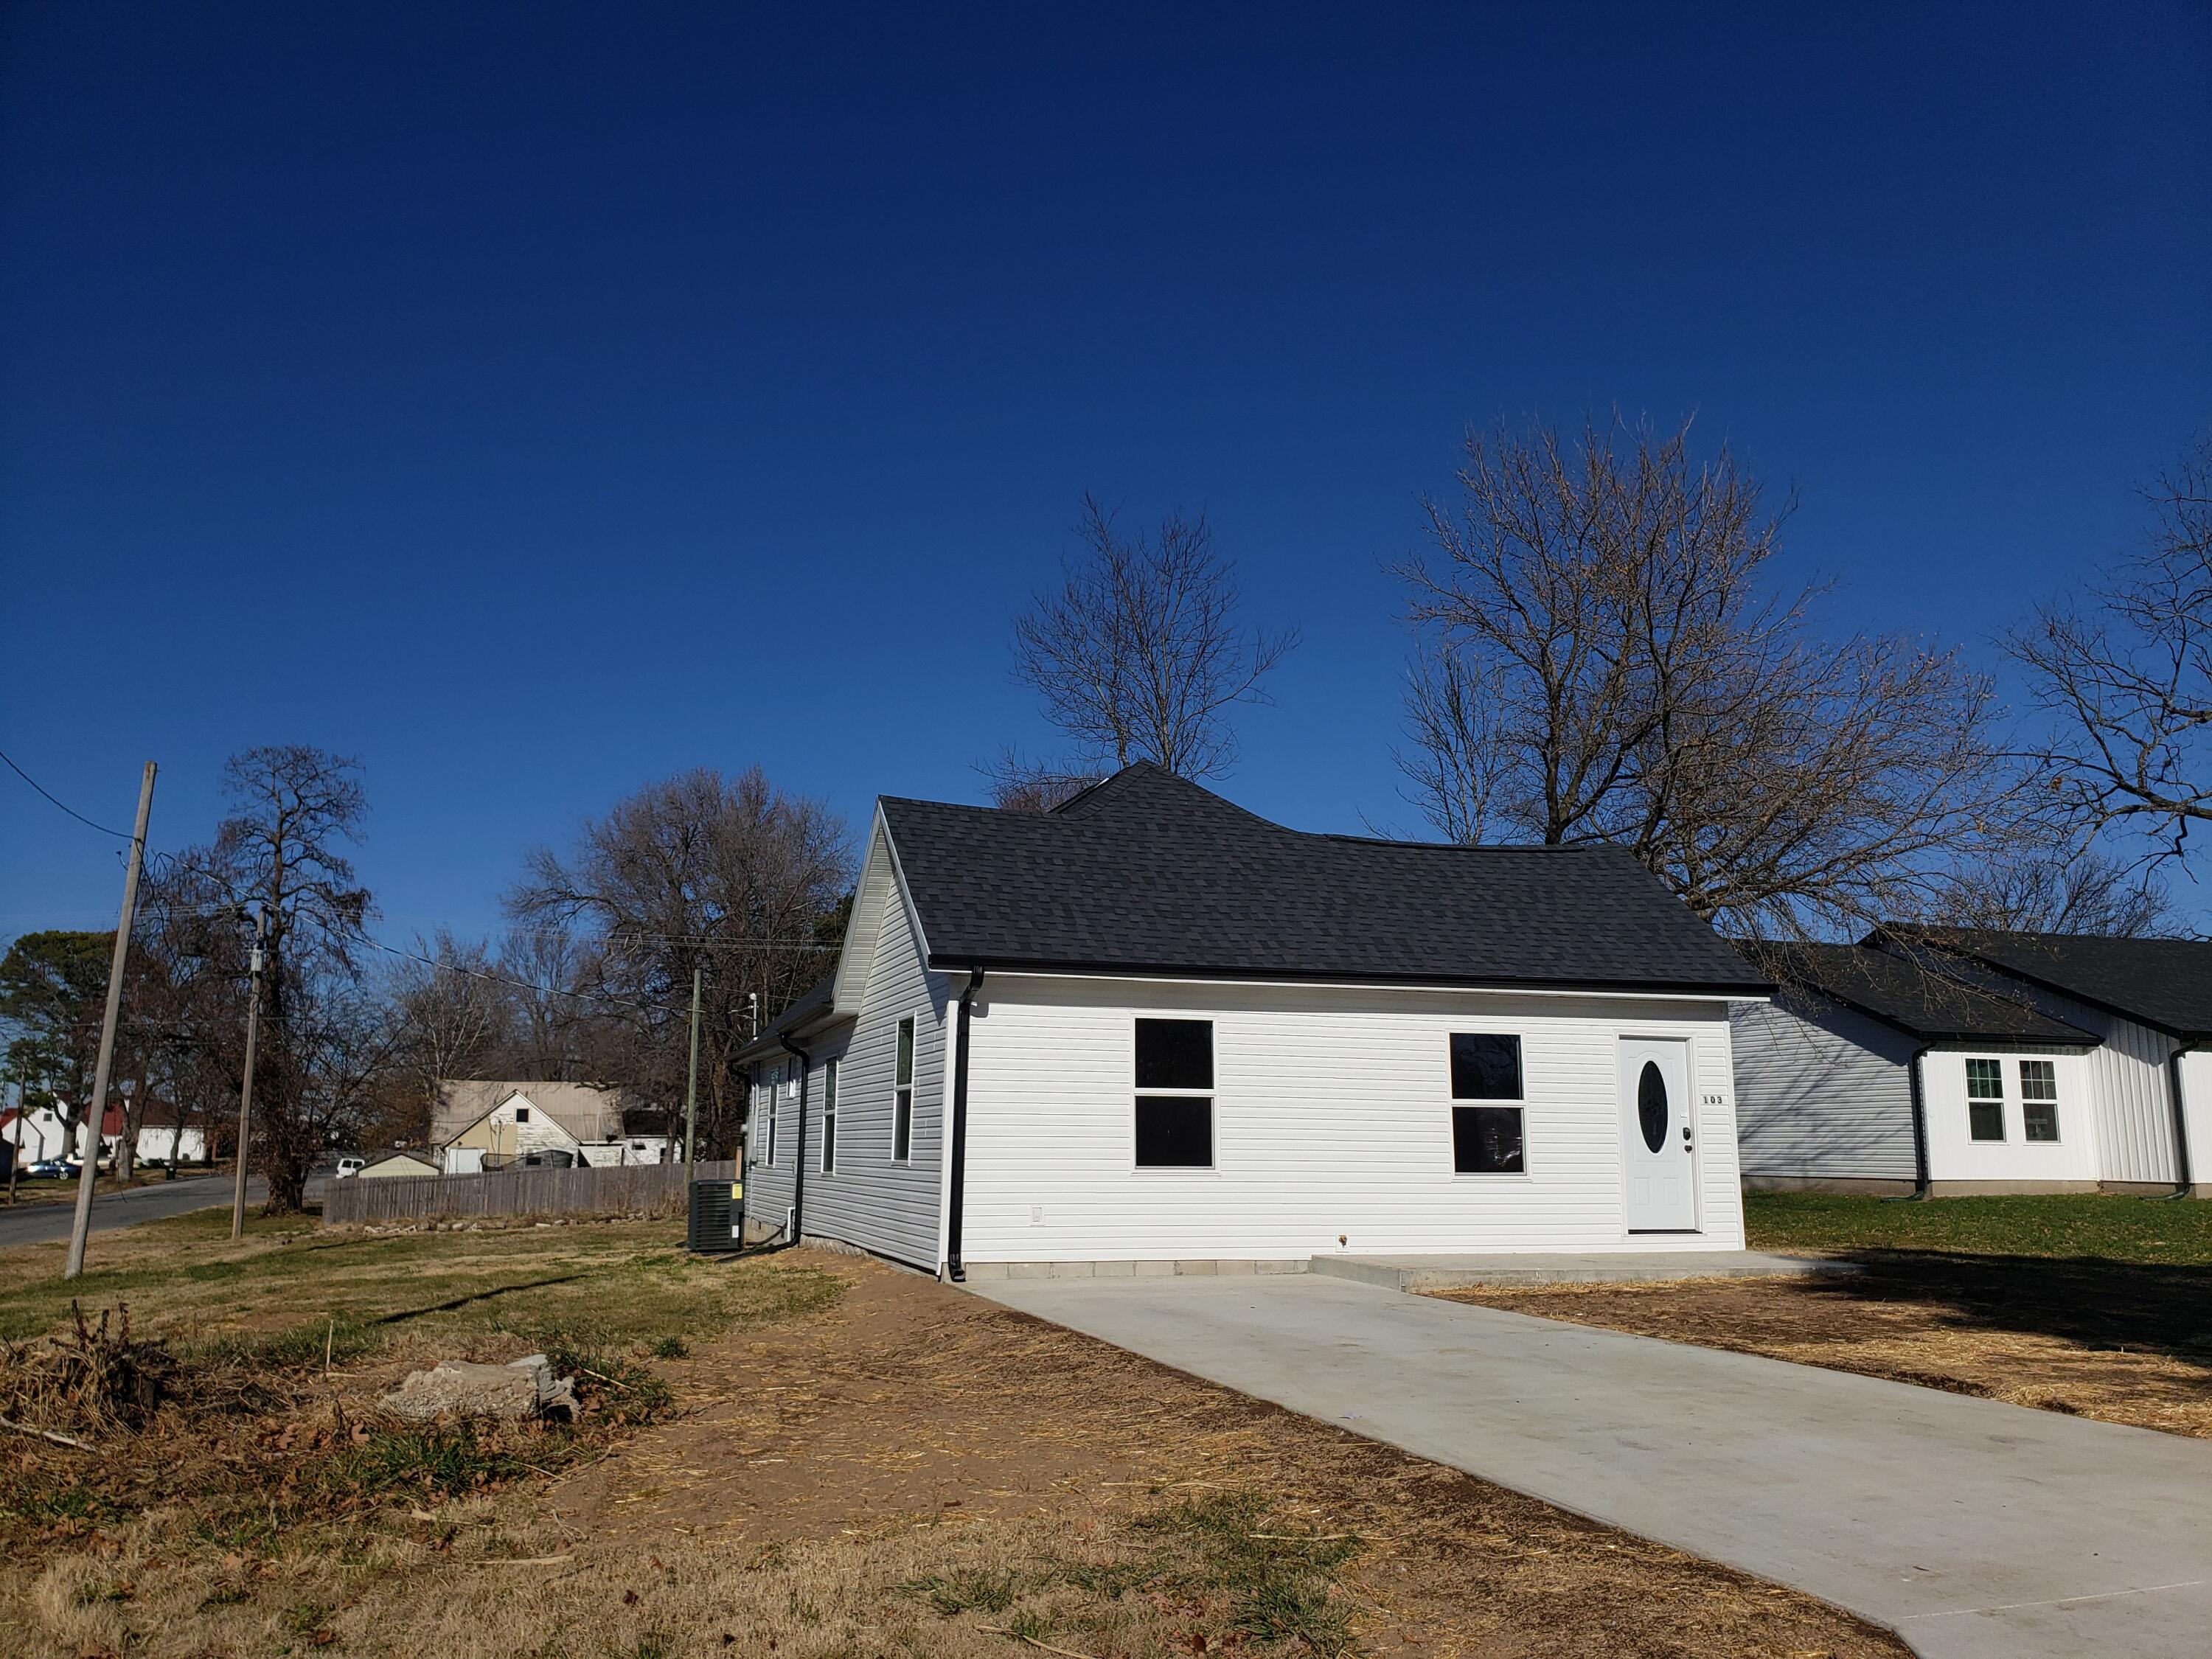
(1149, 1030)
(39, 1134)
(1958, 1061)
(483, 1125)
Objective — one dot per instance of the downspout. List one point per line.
(1919, 1131)
(2183, 1183)
(955, 1268)
(799, 1175)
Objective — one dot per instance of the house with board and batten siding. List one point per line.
(1957, 1061)
(1149, 1031)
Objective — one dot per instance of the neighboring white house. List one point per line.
(488, 1125)
(39, 1134)
(171, 1143)
(1957, 1061)
(1148, 1028)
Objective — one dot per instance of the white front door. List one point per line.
(1658, 1141)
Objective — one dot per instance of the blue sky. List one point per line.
(534, 401)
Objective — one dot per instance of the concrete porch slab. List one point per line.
(1457, 1273)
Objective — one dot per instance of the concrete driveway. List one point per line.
(1969, 1527)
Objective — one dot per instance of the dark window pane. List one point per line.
(1484, 1067)
(1985, 1119)
(1175, 1054)
(1486, 1139)
(1175, 1132)
(1984, 1080)
(2039, 1120)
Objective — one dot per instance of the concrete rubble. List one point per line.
(461, 1388)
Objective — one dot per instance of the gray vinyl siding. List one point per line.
(768, 1186)
(890, 1208)
(1822, 1091)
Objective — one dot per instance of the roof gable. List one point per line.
(1149, 873)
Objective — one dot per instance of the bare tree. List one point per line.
(1024, 786)
(452, 1014)
(2061, 890)
(294, 809)
(1600, 659)
(1140, 654)
(728, 874)
(2130, 683)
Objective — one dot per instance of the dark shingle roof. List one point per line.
(1914, 998)
(808, 1007)
(1149, 873)
(2161, 982)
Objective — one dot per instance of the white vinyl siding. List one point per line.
(2123, 1080)
(1331, 1117)
(1822, 1092)
(1954, 1154)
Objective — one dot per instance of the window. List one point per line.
(829, 1117)
(2039, 1099)
(1175, 1125)
(902, 1095)
(522, 1115)
(1985, 1099)
(774, 1077)
(1486, 1139)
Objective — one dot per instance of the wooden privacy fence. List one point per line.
(619, 1189)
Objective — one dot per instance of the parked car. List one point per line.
(48, 1169)
(350, 1166)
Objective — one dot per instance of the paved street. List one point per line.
(1975, 1530)
(34, 1224)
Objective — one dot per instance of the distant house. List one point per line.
(401, 1163)
(40, 1134)
(1963, 1061)
(487, 1125)
(1150, 1032)
(162, 1134)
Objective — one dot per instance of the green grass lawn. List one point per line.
(2083, 1224)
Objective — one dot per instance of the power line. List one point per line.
(64, 806)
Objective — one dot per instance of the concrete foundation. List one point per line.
(1459, 1272)
(1789, 1183)
(988, 1271)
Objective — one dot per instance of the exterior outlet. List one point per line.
(1037, 1215)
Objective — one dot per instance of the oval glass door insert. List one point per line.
(1651, 1105)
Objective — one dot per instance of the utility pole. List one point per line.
(692, 1092)
(95, 1110)
(245, 1089)
(22, 1094)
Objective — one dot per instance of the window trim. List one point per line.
(1519, 1103)
(1997, 1064)
(902, 1093)
(1210, 1094)
(830, 1115)
(2028, 1136)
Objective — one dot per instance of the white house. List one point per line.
(488, 1125)
(1149, 1031)
(1955, 1060)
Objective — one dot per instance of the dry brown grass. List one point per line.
(909, 1470)
(2126, 1343)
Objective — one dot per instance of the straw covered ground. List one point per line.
(2092, 1305)
(802, 1454)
